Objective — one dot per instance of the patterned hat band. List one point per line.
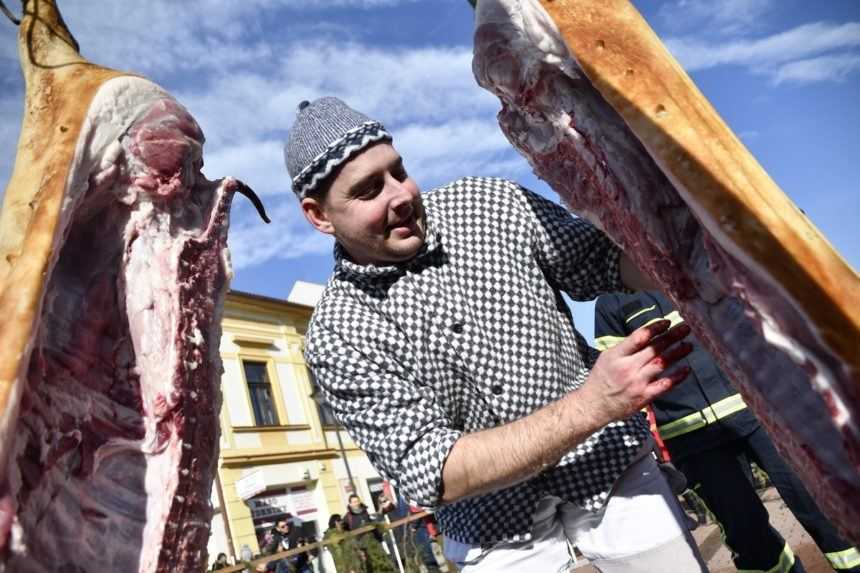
(337, 153)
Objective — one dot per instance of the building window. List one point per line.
(262, 399)
(323, 407)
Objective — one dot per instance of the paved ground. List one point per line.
(717, 556)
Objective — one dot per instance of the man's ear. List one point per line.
(315, 213)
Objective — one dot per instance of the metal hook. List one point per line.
(249, 193)
(9, 14)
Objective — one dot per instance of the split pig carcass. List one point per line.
(606, 116)
(113, 273)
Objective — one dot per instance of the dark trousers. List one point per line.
(721, 478)
(422, 544)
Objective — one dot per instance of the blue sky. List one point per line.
(785, 75)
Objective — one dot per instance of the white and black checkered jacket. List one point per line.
(470, 334)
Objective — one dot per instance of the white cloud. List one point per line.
(243, 86)
(802, 41)
(393, 84)
(437, 154)
(303, 4)
(258, 163)
(460, 138)
(164, 36)
(833, 68)
(812, 52)
(161, 36)
(397, 86)
(724, 16)
(442, 122)
(287, 237)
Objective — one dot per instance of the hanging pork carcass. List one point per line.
(609, 119)
(113, 270)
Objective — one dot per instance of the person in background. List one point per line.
(418, 539)
(281, 531)
(285, 537)
(302, 562)
(344, 550)
(712, 436)
(425, 534)
(220, 562)
(370, 543)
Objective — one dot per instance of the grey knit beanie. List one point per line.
(327, 133)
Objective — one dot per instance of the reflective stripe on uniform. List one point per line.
(722, 409)
(784, 565)
(604, 342)
(673, 317)
(638, 312)
(848, 559)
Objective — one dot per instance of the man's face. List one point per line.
(355, 503)
(283, 527)
(373, 208)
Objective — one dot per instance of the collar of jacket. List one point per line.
(345, 267)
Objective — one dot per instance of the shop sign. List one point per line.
(250, 485)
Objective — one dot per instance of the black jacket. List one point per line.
(353, 521)
(281, 542)
(704, 410)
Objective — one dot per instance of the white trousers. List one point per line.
(641, 529)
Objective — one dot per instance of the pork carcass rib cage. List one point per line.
(113, 272)
(605, 115)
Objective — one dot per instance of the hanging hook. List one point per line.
(9, 14)
(249, 193)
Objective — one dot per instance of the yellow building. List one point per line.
(280, 450)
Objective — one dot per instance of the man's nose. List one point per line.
(402, 198)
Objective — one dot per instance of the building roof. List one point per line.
(268, 299)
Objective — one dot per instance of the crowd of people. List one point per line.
(373, 551)
(367, 552)
(363, 553)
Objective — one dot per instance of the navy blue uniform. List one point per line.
(712, 436)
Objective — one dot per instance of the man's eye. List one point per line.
(372, 189)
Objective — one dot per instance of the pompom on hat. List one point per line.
(326, 134)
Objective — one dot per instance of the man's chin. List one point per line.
(404, 249)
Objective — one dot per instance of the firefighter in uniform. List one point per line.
(711, 437)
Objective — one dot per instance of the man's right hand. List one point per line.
(632, 373)
(625, 378)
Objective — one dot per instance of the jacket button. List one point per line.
(497, 389)
(457, 328)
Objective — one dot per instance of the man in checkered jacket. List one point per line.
(444, 346)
